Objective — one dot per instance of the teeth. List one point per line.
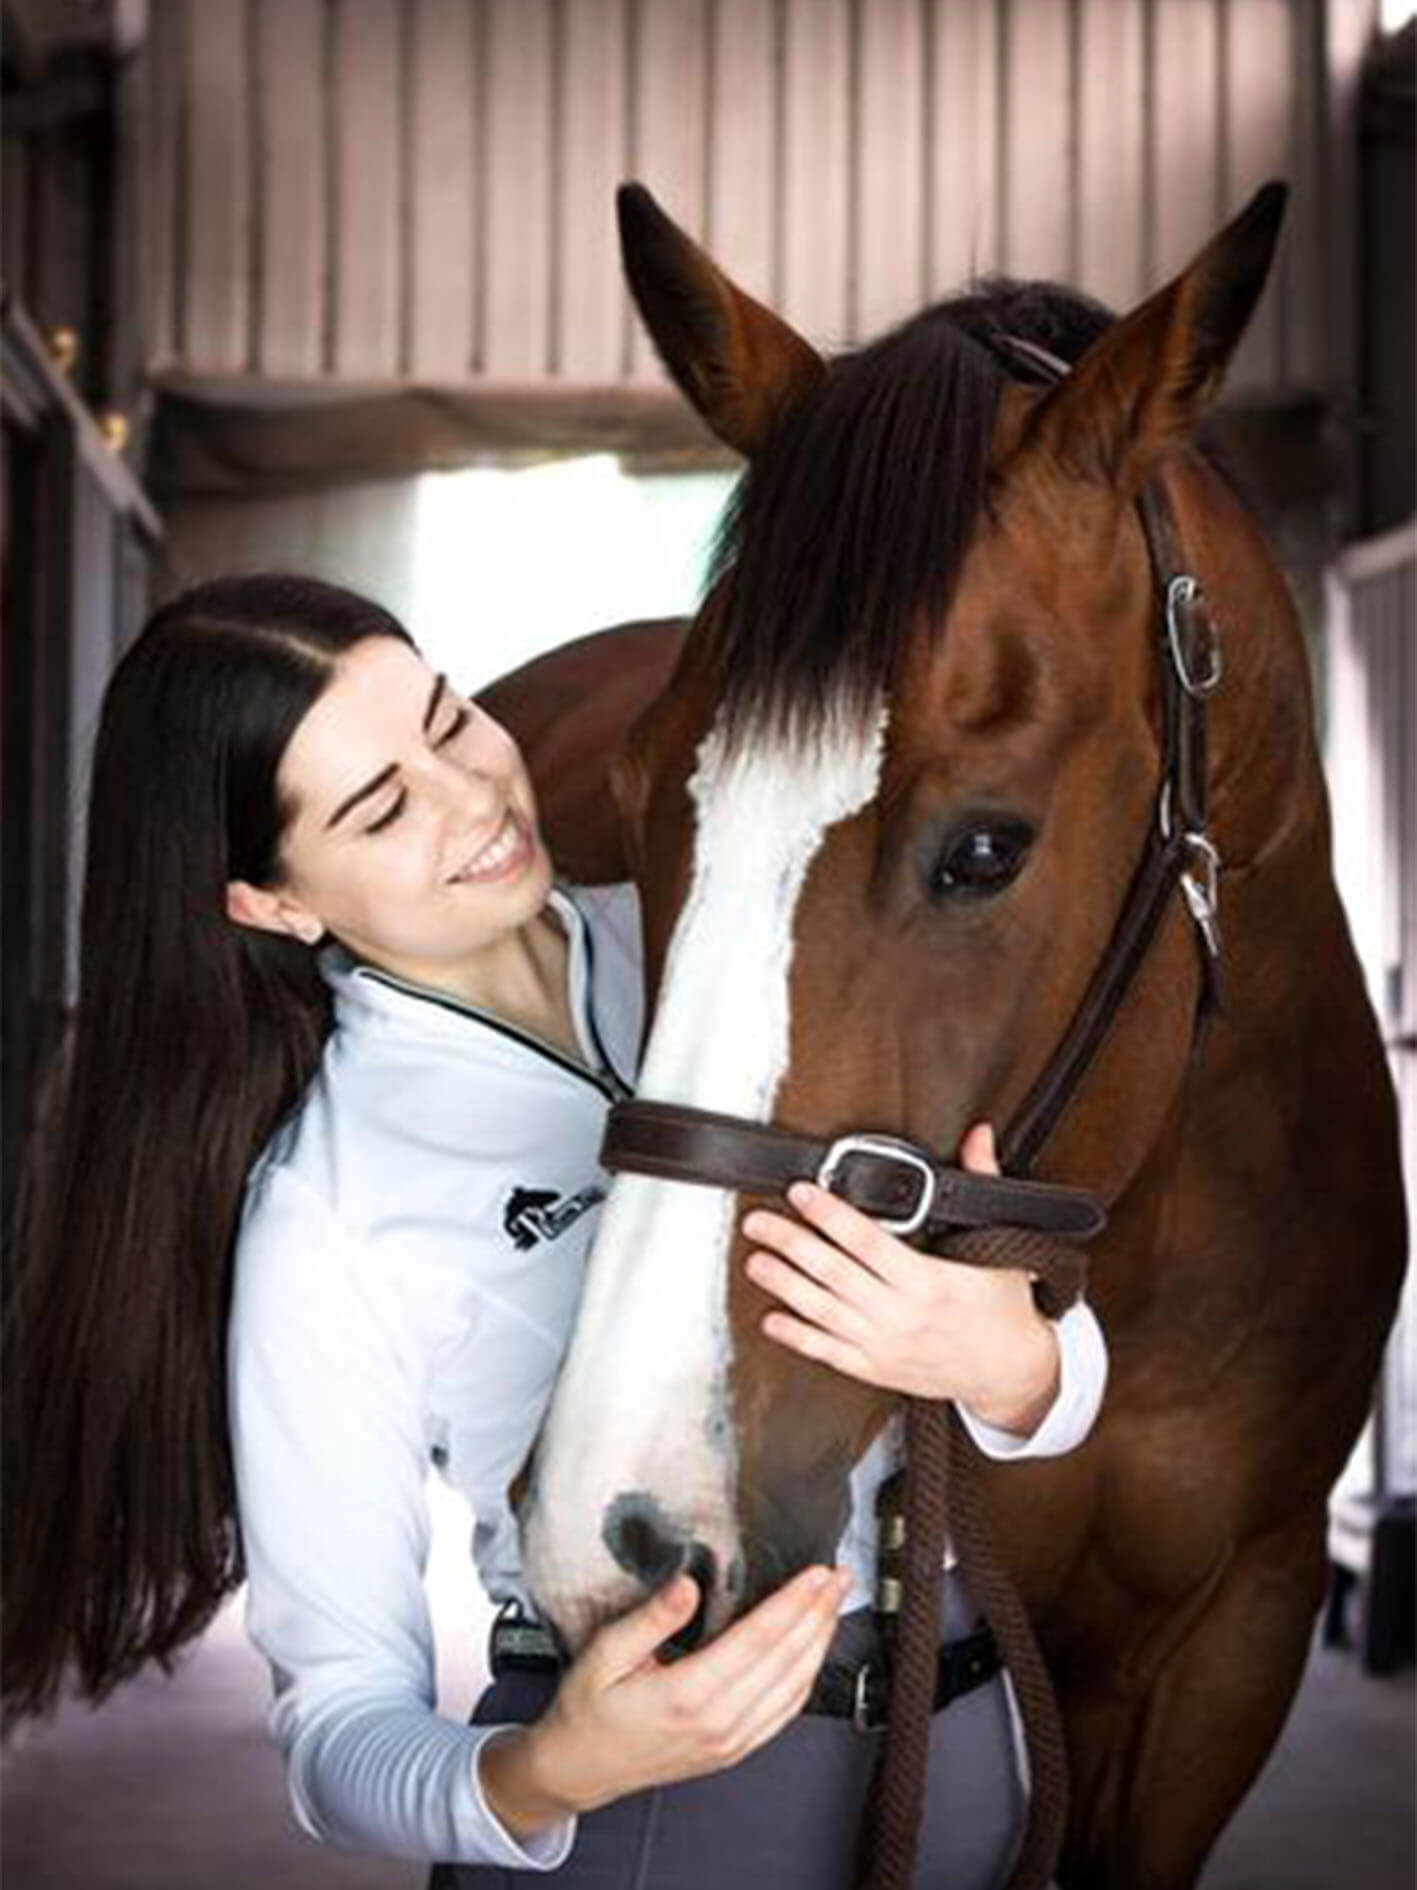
(496, 853)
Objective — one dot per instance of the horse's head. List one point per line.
(883, 820)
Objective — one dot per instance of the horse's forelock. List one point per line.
(849, 530)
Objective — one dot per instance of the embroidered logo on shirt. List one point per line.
(534, 1214)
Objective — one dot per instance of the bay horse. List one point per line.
(884, 800)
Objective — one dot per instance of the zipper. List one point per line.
(619, 1089)
(606, 1079)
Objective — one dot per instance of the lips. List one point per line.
(505, 853)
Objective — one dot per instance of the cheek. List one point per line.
(523, 797)
(411, 866)
(391, 879)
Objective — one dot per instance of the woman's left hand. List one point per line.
(866, 1304)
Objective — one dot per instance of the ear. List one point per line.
(267, 911)
(734, 360)
(1143, 385)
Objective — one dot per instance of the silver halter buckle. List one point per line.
(1182, 592)
(887, 1147)
(1201, 890)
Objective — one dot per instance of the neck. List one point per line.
(519, 976)
(523, 973)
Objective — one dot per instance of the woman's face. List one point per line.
(413, 832)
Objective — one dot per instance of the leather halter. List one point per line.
(1179, 853)
(903, 1184)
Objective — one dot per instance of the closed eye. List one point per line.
(387, 820)
(454, 729)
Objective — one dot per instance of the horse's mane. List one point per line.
(853, 521)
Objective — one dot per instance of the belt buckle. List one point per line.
(519, 1643)
(863, 1716)
(890, 1149)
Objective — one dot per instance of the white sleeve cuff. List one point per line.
(546, 1850)
(1082, 1379)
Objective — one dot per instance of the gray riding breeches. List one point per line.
(787, 1816)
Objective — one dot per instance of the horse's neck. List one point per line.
(1288, 959)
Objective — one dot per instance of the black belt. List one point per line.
(861, 1692)
(858, 1691)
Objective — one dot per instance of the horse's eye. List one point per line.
(981, 858)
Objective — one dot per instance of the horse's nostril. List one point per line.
(647, 1545)
(643, 1540)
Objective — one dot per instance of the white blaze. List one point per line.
(642, 1402)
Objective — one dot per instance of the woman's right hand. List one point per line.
(622, 1721)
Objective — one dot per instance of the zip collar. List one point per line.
(338, 964)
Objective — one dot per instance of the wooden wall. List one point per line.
(399, 192)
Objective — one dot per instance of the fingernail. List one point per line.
(801, 1194)
(818, 1580)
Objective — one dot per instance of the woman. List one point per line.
(322, 947)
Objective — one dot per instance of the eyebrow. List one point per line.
(386, 774)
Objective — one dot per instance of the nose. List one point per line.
(647, 1545)
(462, 787)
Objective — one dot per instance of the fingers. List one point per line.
(621, 1646)
(845, 1276)
(978, 1152)
(758, 1646)
(662, 1723)
(795, 1288)
(823, 1348)
(862, 1251)
(785, 1697)
(735, 1714)
(844, 1266)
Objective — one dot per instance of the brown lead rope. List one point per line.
(1003, 1608)
(942, 1491)
(891, 1825)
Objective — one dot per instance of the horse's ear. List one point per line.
(1142, 386)
(736, 362)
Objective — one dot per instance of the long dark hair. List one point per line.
(193, 1037)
